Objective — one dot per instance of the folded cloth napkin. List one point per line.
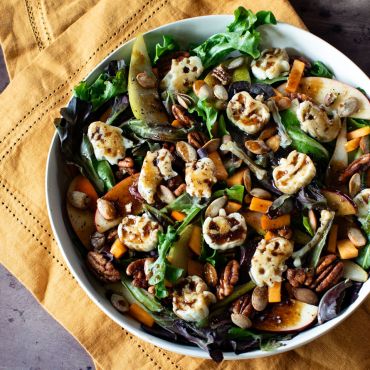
(50, 46)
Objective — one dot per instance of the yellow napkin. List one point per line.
(49, 47)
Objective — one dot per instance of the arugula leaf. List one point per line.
(236, 192)
(166, 240)
(206, 111)
(241, 35)
(173, 273)
(102, 89)
(300, 141)
(319, 69)
(169, 44)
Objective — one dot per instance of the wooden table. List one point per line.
(29, 337)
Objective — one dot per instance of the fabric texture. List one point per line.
(50, 46)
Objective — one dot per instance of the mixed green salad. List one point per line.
(221, 192)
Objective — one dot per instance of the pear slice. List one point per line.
(290, 316)
(145, 102)
(319, 87)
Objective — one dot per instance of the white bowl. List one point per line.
(193, 30)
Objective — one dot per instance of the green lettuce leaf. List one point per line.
(169, 44)
(206, 111)
(235, 193)
(102, 89)
(319, 69)
(301, 141)
(241, 35)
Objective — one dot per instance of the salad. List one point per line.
(221, 192)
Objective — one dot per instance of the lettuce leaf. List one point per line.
(241, 35)
(206, 111)
(235, 193)
(102, 89)
(319, 69)
(169, 44)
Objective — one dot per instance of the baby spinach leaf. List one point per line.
(105, 172)
(241, 35)
(301, 141)
(270, 81)
(319, 69)
(169, 44)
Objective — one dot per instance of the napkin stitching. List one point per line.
(13, 214)
(27, 210)
(42, 17)
(33, 25)
(45, 98)
(32, 124)
(157, 348)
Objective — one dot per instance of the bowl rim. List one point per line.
(159, 342)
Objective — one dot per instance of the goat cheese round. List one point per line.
(107, 142)
(182, 74)
(156, 166)
(248, 114)
(362, 201)
(225, 231)
(316, 122)
(149, 178)
(271, 64)
(268, 261)
(191, 299)
(139, 233)
(199, 177)
(294, 172)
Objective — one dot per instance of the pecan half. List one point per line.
(126, 165)
(300, 276)
(243, 305)
(221, 74)
(360, 164)
(180, 114)
(210, 275)
(196, 139)
(102, 268)
(329, 271)
(137, 269)
(229, 277)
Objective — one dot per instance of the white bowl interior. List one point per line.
(193, 30)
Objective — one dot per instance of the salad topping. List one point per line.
(225, 187)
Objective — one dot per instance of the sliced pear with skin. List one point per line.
(290, 316)
(145, 102)
(102, 225)
(82, 220)
(179, 254)
(319, 87)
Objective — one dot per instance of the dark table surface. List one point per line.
(32, 339)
